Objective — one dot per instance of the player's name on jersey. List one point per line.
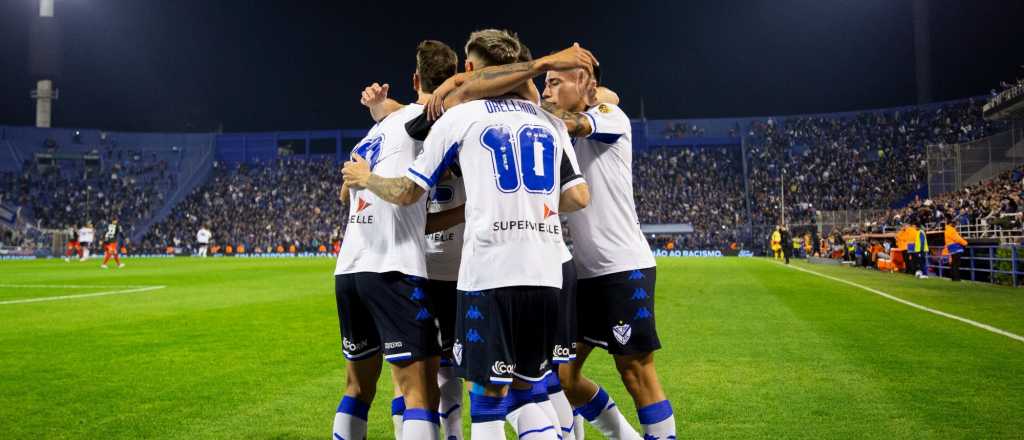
(526, 225)
(508, 105)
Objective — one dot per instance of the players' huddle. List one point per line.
(454, 267)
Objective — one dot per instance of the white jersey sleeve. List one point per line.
(440, 149)
(609, 123)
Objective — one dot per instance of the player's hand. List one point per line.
(374, 94)
(435, 107)
(566, 59)
(356, 172)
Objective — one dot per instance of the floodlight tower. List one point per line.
(44, 52)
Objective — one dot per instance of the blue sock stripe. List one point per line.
(353, 406)
(450, 411)
(486, 408)
(536, 431)
(540, 392)
(654, 412)
(398, 406)
(593, 408)
(517, 398)
(422, 414)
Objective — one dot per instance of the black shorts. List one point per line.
(504, 333)
(445, 297)
(565, 332)
(616, 312)
(389, 311)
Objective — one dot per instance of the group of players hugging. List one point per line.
(454, 269)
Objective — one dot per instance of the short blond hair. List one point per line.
(494, 47)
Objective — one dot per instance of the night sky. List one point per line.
(293, 65)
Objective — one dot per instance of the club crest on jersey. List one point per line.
(457, 352)
(622, 333)
(548, 212)
(603, 108)
(363, 204)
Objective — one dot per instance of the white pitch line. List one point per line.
(68, 286)
(85, 295)
(977, 324)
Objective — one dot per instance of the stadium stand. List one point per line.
(723, 177)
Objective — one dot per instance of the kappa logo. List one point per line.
(363, 204)
(474, 313)
(457, 352)
(548, 212)
(423, 314)
(473, 336)
(636, 275)
(639, 293)
(500, 368)
(622, 333)
(417, 294)
(642, 313)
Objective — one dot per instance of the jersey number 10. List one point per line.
(536, 147)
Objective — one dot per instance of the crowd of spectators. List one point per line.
(699, 186)
(867, 160)
(126, 184)
(259, 205)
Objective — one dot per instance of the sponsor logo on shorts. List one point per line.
(423, 314)
(392, 345)
(622, 333)
(560, 352)
(353, 347)
(417, 294)
(500, 368)
(636, 275)
(457, 352)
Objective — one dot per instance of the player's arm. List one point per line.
(500, 80)
(605, 95)
(575, 191)
(375, 98)
(440, 221)
(576, 123)
(398, 190)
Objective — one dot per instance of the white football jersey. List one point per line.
(203, 236)
(86, 235)
(444, 248)
(571, 176)
(510, 153)
(381, 236)
(606, 235)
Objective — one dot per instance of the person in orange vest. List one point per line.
(955, 245)
(228, 250)
(291, 248)
(279, 249)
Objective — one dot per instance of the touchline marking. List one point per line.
(84, 295)
(68, 286)
(980, 325)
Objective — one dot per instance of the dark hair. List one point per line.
(494, 47)
(435, 62)
(524, 53)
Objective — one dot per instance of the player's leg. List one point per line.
(444, 296)
(597, 316)
(635, 340)
(402, 312)
(564, 349)
(483, 357)
(106, 255)
(530, 317)
(361, 346)
(397, 407)
(641, 381)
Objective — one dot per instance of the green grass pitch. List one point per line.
(249, 348)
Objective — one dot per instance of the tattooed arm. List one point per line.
(499, 80)
(577, 124)
(397, 190)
